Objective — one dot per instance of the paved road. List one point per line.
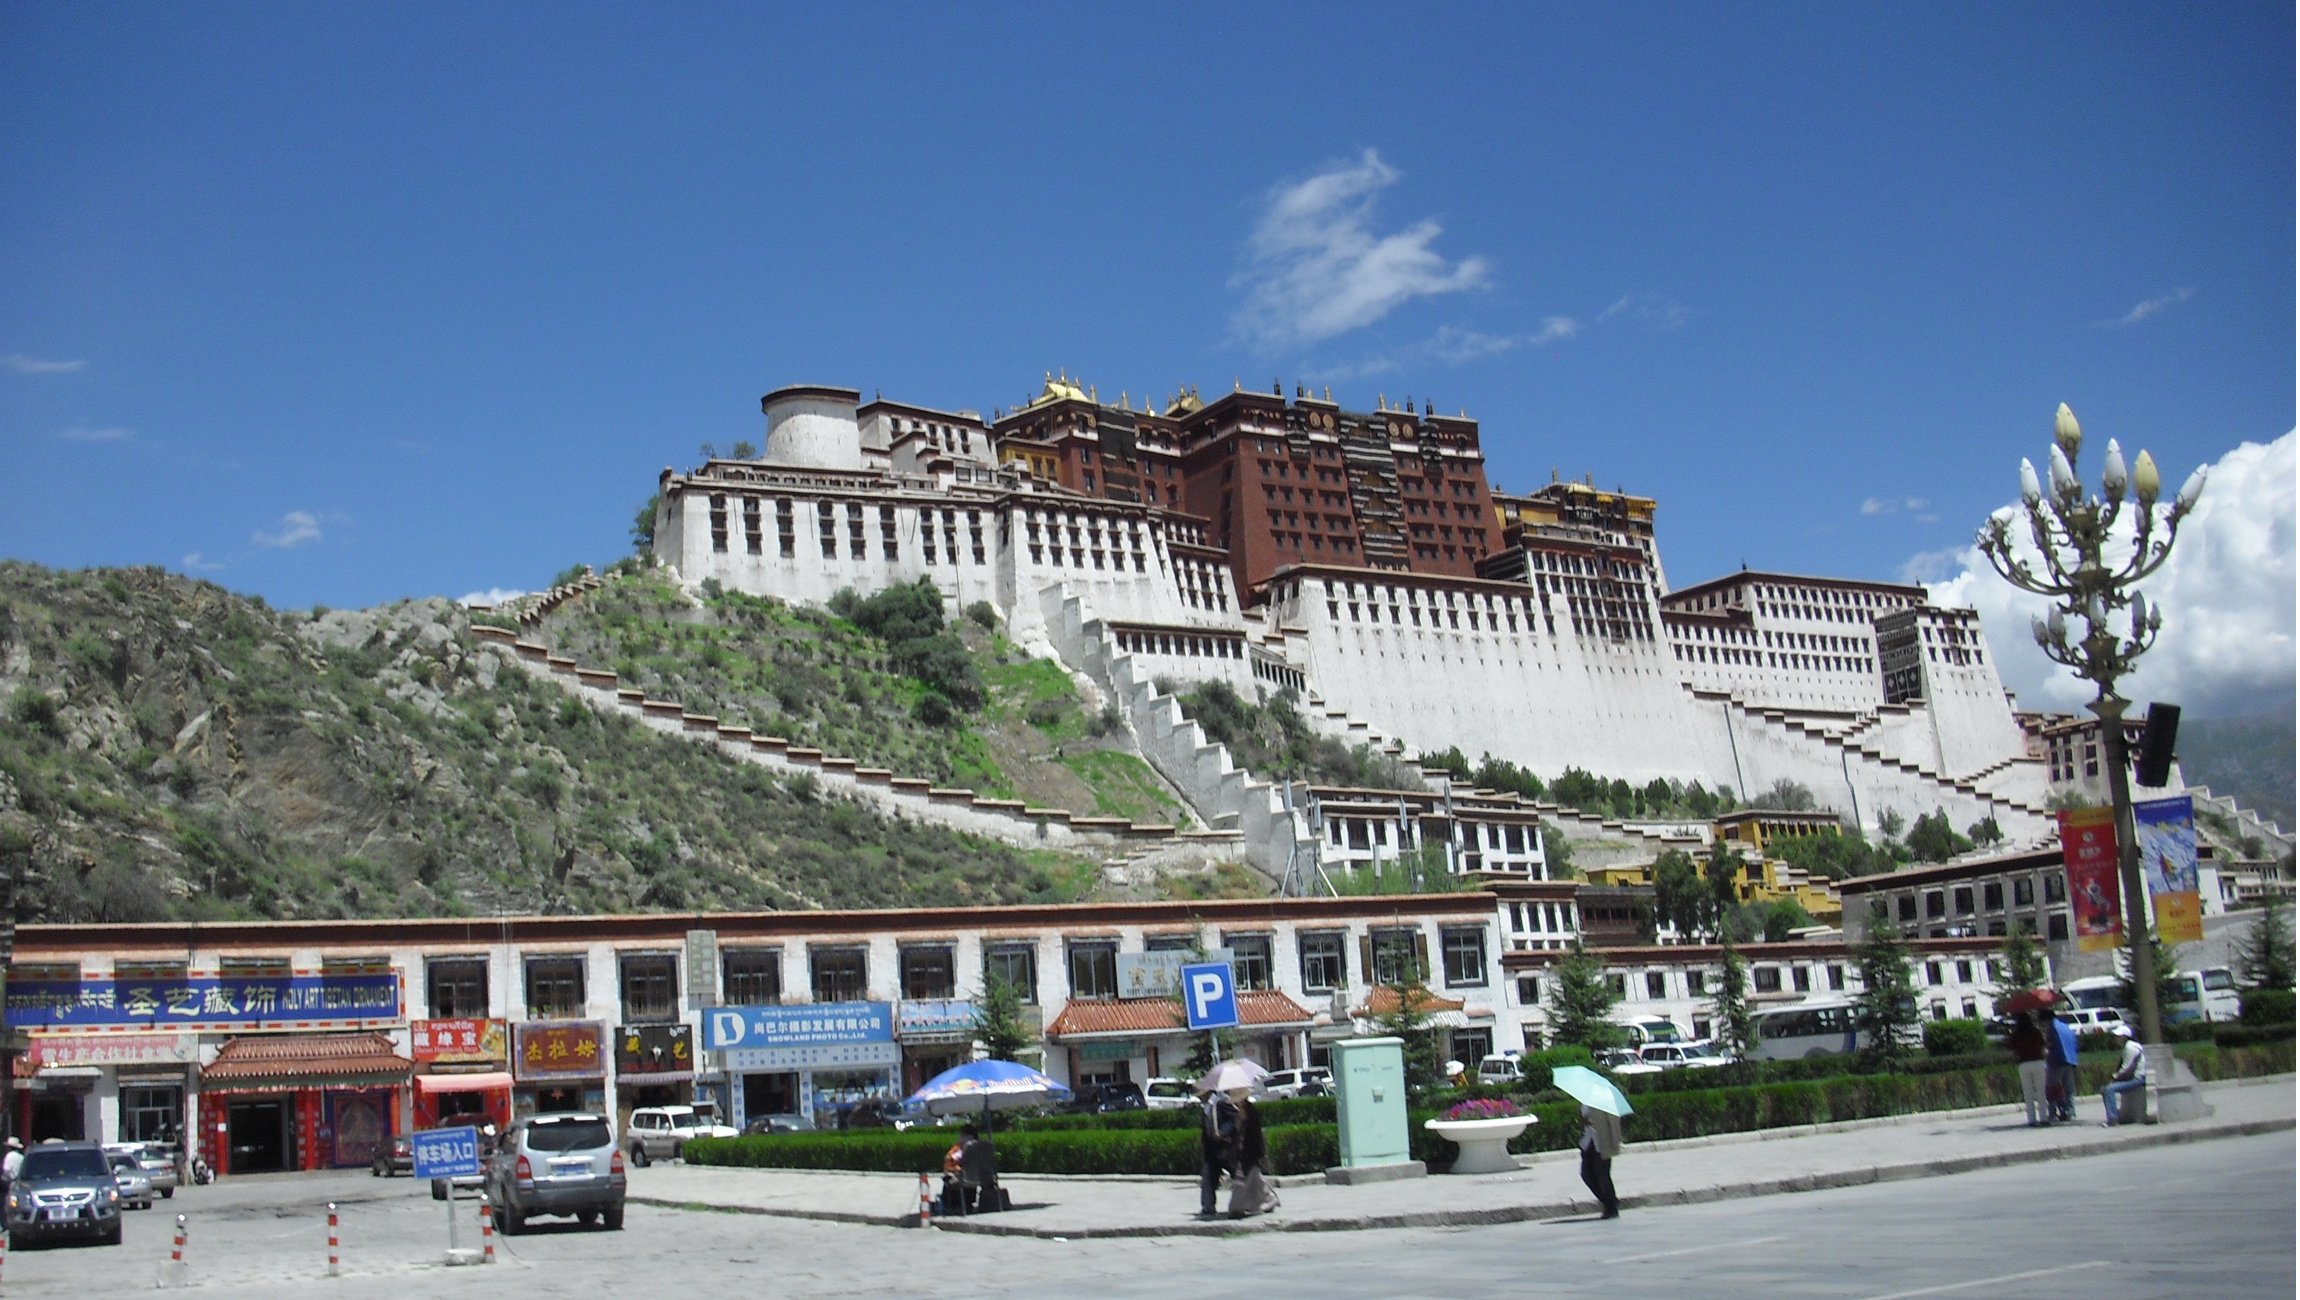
(2213, 1218)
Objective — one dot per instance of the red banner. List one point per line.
(2088, 848)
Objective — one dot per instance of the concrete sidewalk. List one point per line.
(1546, 1186)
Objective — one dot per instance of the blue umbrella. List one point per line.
(1591, 1089)
(985, 1086)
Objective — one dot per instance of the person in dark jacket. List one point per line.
(1217, 1147)
(1250, 1190)
(2027, 1042)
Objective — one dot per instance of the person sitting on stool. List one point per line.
(2131, 1073)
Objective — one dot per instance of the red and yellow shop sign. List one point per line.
(464, 1041)
(559, 1049)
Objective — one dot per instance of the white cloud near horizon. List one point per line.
(87, 433)
(491, 596)
(1317, 267)
(24, 365)
(2142, 311)
(296, 528)
(2226, 593)
(1916, 506)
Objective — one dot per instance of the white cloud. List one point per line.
(491, 596)
(1317, 267)
(90, 433)
(198, 563)
(2226, 593)
(297, 527)
(1906, 505)
(2142, 311)
(1450, 346)
(24, 365)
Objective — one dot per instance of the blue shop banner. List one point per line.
(808, 1025)
(205, 1001)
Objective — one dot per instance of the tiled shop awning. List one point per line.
(307, 1060)
(1257, 1009)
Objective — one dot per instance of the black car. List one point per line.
(1104, 1098)
(874, 1113)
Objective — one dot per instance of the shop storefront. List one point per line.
(462, 1073)
(1130, 1040)
(822, 1060)
(284, 1102)
(654, 1066)
(935, 1034)
(312, 1099)
(559, 1065)
(138, 1084)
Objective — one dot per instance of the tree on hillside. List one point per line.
(1681, 897)
(1932, 839)
(1885, 1010)
(1986, 831)
(1556, 852)
(998, 1022)
(2020, 963)
(1580, 1002)
(1834, 854)
(1723, 872)
(2264, 954)
(1787, 796)
(1730, 1023)
(643, 525)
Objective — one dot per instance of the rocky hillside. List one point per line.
(171, 750)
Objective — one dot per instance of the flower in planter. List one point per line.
(1483, 1108)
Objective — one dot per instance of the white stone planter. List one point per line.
(1484, 1143)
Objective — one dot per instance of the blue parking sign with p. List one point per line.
(1209, 996)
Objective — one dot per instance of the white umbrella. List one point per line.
(1235, 1073)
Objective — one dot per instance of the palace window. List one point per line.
(1017, 964)
(457, 986)
(650, 987)
(554, 987)
(839, 974)
(1325, 964)
(751, 977)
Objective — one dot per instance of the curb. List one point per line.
(2156, 1136)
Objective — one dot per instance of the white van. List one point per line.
(1498, 1071)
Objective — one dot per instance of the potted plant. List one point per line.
(1482, 1128)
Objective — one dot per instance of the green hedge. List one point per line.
(1150, 1142)
(2266, 1007)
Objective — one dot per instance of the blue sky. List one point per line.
(337, 303)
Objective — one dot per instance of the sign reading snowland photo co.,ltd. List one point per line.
(810, 1036)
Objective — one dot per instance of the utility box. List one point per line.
(1370, 1106)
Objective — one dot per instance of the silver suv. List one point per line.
(556, 1165)
(64, 1189)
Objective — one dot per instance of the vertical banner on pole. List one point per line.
(2167, 832)
(2088, 850)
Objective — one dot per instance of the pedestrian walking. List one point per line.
(2060, 1052)
(1600, 1142)
(1217, 1147)
(1250, 1190)
(2027, 1042)
(10, 1163)
(2131, 1073)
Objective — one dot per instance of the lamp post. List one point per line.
(2071, 531)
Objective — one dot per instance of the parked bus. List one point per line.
(1821, 1027)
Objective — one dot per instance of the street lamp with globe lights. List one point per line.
(2071, 532)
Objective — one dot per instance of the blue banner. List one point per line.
(807, 1025)
(224, 1002)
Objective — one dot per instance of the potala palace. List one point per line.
(1362, 558)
